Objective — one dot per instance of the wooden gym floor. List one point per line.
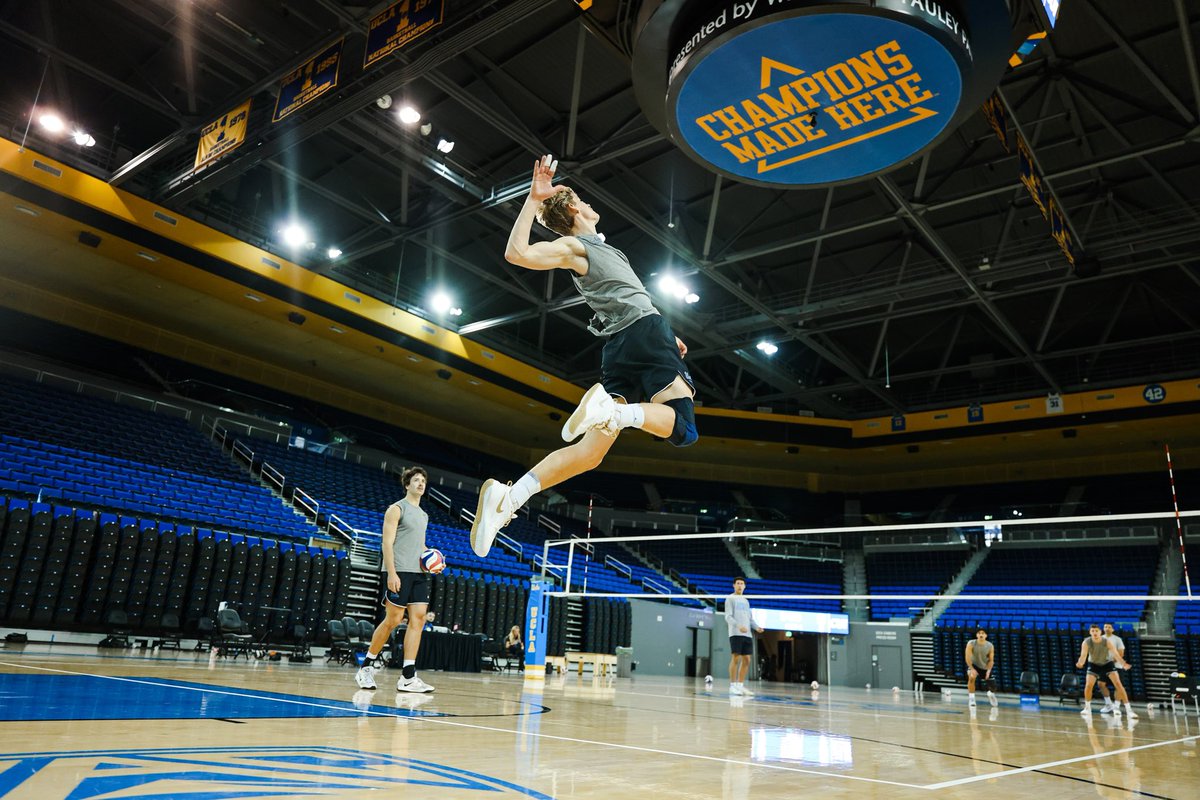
(80, 723)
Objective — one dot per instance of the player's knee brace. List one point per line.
(684, 433)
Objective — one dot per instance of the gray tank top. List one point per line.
(980, 652)
(410, 538)
(611, 287)
(1098, 651)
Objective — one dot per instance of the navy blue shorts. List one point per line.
(414, 588)
(642, 360)
(741, 645)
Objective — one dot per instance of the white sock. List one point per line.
(372, 655)
(520, 492)
(971, 696)
(630, 415)
(410, 662)
(1127, 707)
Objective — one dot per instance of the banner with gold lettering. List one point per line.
(309, 81)
(222, 135)
(399, 24)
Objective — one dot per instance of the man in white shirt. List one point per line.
(741, 643)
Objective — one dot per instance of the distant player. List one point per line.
(1102, 659)
(1102, 682)
(404, 585)
(741, 643)
(643, 384)
(981, 658)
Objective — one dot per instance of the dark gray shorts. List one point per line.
(414, 588)
(741, 645)
(642, 360)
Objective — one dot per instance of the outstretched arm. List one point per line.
(563, 253)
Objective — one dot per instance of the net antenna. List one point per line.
(1187, 581)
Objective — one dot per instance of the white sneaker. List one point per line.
(413, 684)
(365, 677)
(992, 699)
(596, 411)
(970, 702)
(491, 514)
(1129, 712)
(746, 692)
(1086, 711)
(737, 690)
(1106, 710)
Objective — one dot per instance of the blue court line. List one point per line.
(85, 697)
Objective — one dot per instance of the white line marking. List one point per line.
(444, 721)
(1048, 764)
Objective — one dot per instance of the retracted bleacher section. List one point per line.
(1187, 617)
(1041, 635)
(909, 573)
(65, 568)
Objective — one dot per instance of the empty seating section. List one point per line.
(1084, 571)
(66, 568)
(926, 572)
(708, 564)
(1187, 615)
(1043, 635)
(84, 451)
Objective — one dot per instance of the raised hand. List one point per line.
(542, 186)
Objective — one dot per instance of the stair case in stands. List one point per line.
(1158, 662)
(362, 601)
(923, 665)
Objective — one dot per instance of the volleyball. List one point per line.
(433, 561)
(814, 686)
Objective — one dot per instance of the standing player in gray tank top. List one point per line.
(1101, 657)
(644, 383)
(981, 657)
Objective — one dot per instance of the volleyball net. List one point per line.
(1051, 569)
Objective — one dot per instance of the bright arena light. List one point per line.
(440, 303)
(445, 145)
(692, 298)
(294, 235)
(83, 139)
(767, 348)
(333, 253)
(409, 115)
(670, 285)
(52, 122)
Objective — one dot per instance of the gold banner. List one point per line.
(222, 135)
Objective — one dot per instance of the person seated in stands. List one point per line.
(430, 618)
(514, 647)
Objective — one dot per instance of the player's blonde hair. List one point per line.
(555, 212)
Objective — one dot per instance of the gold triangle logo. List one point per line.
(770, 65)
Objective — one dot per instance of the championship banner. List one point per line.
(222, 135)
(399, 24)
(997, 117)
(308, 82)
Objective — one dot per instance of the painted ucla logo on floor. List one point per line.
(208, 773)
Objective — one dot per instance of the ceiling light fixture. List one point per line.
(409, 115)
(294, 234)
(445, 145)
(767, 348)
(52, 122)
(333, 253)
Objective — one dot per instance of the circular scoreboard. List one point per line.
(794, 94)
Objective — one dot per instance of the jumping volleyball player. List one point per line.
(644, 383)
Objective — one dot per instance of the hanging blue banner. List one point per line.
(309, 81)
(399, 24)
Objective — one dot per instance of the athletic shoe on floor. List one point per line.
(1129, 712)
(992, 699)
(596, 411)
(1086, 711)
(413, 684)
(736, 690)
(365, 677)
(970, 702)
(1108, 708)
(491, 514)
(746, 692)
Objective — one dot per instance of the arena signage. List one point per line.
(795, 93)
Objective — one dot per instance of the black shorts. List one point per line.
(1101, 670)
(414, 588)
(741, 645)
(642, 360)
